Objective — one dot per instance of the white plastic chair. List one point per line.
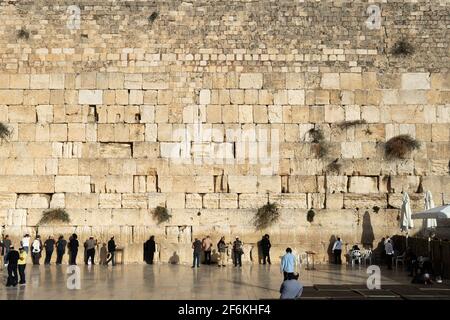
(355, 255)
(367, 255)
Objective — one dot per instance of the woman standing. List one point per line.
(36, 249)
(222, 248)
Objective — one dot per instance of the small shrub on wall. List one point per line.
(5, 132)
(161, 214)
(266, 216)
(400, 146)
(54, 215)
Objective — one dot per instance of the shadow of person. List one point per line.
(378, 252)
(260, 252)
(175, 258)
(367, 236)
(330, 249)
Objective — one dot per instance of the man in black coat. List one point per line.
(265, 246)
(112, 251)
(13, 259)
(149, 250)
(73, 249)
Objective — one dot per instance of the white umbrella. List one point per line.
(442, 212)
(406, 221)
(429, 204)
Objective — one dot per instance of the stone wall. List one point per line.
(204, 107)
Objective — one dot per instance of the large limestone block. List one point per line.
(119, 184)
(40, 81)
(17, 217)
(330, 81)
(109, 200)
(155, 80)
(58, 200)
(7, 200)
(251, 81)
(156, 199)
(33, 201)
(228, 200)
(289, 200)
(252, 201)
(211, 201)
(242, 184)
(411, 81)
(81, 200)
(302, 184)
(22, 114)
(336, 184)
(350, 81)
(193, 201)
(296, 97)
(27, 184)
(11, 96)
(351, 150)
(357, 200)
(91, 97)
(363, 184)
(416, 201)
(134, 200)
(269, 184)
(175, 200)
(334, 201)
(19, 81)
(73, 184)
(114, 150)
(125, 217)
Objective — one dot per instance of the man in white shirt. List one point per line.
(389, 249)
(25, 243)
(337, 251)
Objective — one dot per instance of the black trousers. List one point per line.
(12, 275)
(285, 274)
(35, 256)
(208, 257)
(73, 256)
(389, 261)
(90, 253)
(22, 273)
(237, 257)
(337, 256)
(266, 256)
(150, 257)
(59, 256)
(48, 256)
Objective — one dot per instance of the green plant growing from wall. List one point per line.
(266, 216)
(54, 215)
(400, 146)
(161, 214)
(310, 215)
(153, 17)
(23, 34)
(348, 124)
(321, 147)
(402, 48)
(334, 167)
(5, 132)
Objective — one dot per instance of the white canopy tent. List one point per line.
(442, 212)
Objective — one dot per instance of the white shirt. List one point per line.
(25, 242)
(36, 246)
(337, 245)
(389, 248)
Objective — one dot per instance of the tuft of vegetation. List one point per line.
(334, 166)
(310, 215)
(266, 216)
(348, 124)
(402, 48)
(153, 17)
(316, 135)
(161, 214)
(54, 215)
(23, 34)
(400, 146)
(376, 209)
(5, 132)
(321, 147)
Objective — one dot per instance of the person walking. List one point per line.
(73, 249)
(389, 249)
(265, 246)
(149, 250)
(21, 264)
(287, 266)
(49, 246)
(197, 247)
(6, 246)
(25, 243)
(36, 249)
(111, 251)
(291, 288)
(90, 249)
(13, 259)
(222, 248)
(207, 246)
(337, 251)
(238, 251)
(60, 249)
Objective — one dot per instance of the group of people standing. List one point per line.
(206, 246)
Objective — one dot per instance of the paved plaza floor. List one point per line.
(164, 281)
